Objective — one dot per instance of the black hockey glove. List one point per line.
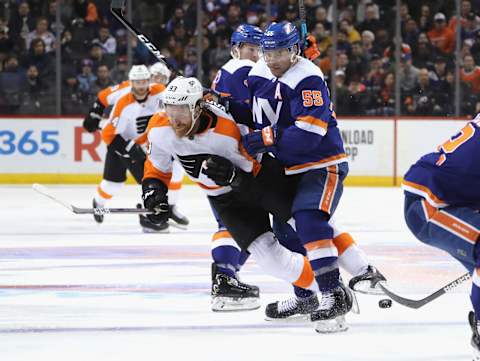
(223, 172)
(127, 149)
(94, 116)
(154, 195)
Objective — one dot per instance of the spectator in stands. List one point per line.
(68, 54)
(383, 103)
(103, 81)
(221, 53)
(41, 31)
(424, 96)
(99, 57)
(368, 39)
(352, 34)
(87, 12)
(325, 63)
(470, 27)
(358, 98)
(343, 63)
(438, 75)
(324, 40)
(358, 60)
(408, 73)
(234, 19)
(342, 93)
(441, 36)
(177, 18)
(470, 74)
(72, 101)
(321, 17)
(6, 44)
(423, 52)
(343, 46)
(86, 78)
(120, 71)
(190, 68)
(372, 19)
(106, 40)
(411, 32)
(44, 62)
(21, 24)
(291, 13)
(425, 22)
(465, 10)
(376, 73)
(12, 83)
(52, 17)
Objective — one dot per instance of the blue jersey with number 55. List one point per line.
(450, 176)
(298, 105)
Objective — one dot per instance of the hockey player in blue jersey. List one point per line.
(227, 256)
(442, 203)
(296, 123)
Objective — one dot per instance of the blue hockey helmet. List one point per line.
(280, 36)
(246, 33)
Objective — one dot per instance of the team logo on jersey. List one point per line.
(288, 28)
(261, 107)
(193, 163)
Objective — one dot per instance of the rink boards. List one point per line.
(58, 150)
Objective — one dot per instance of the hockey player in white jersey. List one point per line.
(124, 135)
(206, 141)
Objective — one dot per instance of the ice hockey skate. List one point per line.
(334, 305)
(294, 309)
(148, 226)
(98, 217)
(475, 341)
(229, 294)
(367, 282)
(181, 221)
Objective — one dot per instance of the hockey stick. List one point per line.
(419, 303)
(303, 21)
(77, 210)
(117, 7)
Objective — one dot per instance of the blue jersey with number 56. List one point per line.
(298, 105)
(450, 176)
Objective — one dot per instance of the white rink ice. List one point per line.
(74, 290)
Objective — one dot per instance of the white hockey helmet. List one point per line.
(160, 68)
(138, 72)
(183, 91)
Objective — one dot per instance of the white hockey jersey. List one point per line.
(221, 137)
(128, 113)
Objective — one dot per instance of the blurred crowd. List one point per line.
(94, 49)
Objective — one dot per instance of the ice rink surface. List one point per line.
(71, 289)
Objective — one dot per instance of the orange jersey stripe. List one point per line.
(221, 234)
(158, 120)
(108, 133)
(424, 189)
(306, 277)
(329, 191)
(451, 223)
(151, 172)
(156, 88)
(104, 93)
(322, 243)
(342, 242)
(227, 127)
(314, 121)
(323, 161)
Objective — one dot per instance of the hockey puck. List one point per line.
(385, 303)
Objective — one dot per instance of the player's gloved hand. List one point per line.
(215, 96)
(219, 169)
(154, 195)
(260, 141)
(136, 152)
(94, 116)
(311, 50)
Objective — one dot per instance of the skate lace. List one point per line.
(287, 305)
(327, 301)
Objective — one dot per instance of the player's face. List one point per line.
(249, 51)
(180, 118)
(278, 61)
(140, 87)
